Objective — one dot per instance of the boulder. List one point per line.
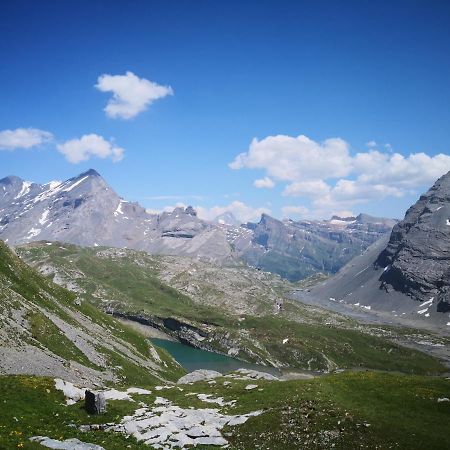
(94, 403)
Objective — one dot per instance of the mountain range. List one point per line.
(86, 211)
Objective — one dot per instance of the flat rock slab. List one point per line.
(168, 426)
(199, 375)
(68, 444)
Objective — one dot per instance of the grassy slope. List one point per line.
(350, 410)
(131, 284)
(17, 277)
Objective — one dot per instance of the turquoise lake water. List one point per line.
(193, 358)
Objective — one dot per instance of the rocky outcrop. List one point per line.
(417, 257)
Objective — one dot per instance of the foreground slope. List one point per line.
(46, 330)
(346, 411)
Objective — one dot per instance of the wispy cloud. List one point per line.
(130, 94)
(23, 138)
(89, 145)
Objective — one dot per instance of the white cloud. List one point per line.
(294, 158)
(131, 94)
(240, 210)
(290, 212)
(332, 178)
(310, 188)
(394, 169)
(265, 182)
(77, 150)
(23, 138)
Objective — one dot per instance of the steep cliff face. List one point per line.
(298, 249)
(417, 256)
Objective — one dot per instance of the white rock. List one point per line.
(199, 375)
(68, 444)
(249, 387)
(72, 393)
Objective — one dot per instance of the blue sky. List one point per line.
(376, 75)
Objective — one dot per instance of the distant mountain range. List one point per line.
(86, 211)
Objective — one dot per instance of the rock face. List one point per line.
(417, 256)
(405, 278)
(94, 403)
(86, 211)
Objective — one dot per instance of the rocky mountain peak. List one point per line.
(344, 219)
(190, 211)
(10, 180)
(417, 256)
(89, 173)
(269, 220)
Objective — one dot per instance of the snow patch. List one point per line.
(74, 185)
(428, 302)
(44, 217)
(24, 190)
(32, 233)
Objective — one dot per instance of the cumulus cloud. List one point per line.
(309, 188)
(265, 182)
(332, 178)
(89, 145)
(130, 94)
(240, 210)
(394, 169)
(294, 158)
(24, 138)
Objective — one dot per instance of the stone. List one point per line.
(94, 403)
